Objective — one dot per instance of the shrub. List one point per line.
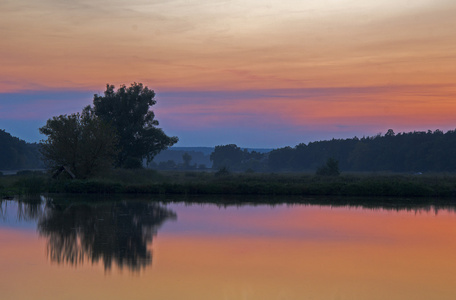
(32, 185)
(222, 172)
(330, 169)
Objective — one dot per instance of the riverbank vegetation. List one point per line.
(144, 181)
(418, 151)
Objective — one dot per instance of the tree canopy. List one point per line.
(81, 142)
(331, 168)
(418, 151)
(119, 129)
(234, 158)
(127, 110)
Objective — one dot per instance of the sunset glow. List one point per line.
(285, 72)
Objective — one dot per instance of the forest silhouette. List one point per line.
(418, 151)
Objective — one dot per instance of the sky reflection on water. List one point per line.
(144, 250)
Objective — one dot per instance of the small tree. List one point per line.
(229, 156)
(81, 142)
(330, 169)
(187, 158)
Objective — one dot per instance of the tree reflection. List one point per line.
(27, 208)
(118, 233)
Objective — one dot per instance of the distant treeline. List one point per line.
(195, 158)
(417, 151)
(173, 158)
(17, 154)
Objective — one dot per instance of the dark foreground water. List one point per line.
(136, 249)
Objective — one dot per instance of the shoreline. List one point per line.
(242, 184)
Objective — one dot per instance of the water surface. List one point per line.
(136, 249)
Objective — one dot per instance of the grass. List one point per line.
(26, 184)
(208, 183)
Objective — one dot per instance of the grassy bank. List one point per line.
(208, 183)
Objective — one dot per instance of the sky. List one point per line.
(256, 73)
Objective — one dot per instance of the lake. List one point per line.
(77, 248)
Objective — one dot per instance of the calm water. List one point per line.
(143, 250)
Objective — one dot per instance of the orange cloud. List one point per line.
(236, 45)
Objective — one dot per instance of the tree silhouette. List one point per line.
(81, 142)
(417, 151)
(234, 158)
(128, 111)
(331, 168)
(187, 158)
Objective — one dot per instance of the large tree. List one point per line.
(128, 112)
(81, 142)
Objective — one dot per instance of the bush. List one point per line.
(330, 169)
(222, 172)
(32, 185)
(28, 173)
